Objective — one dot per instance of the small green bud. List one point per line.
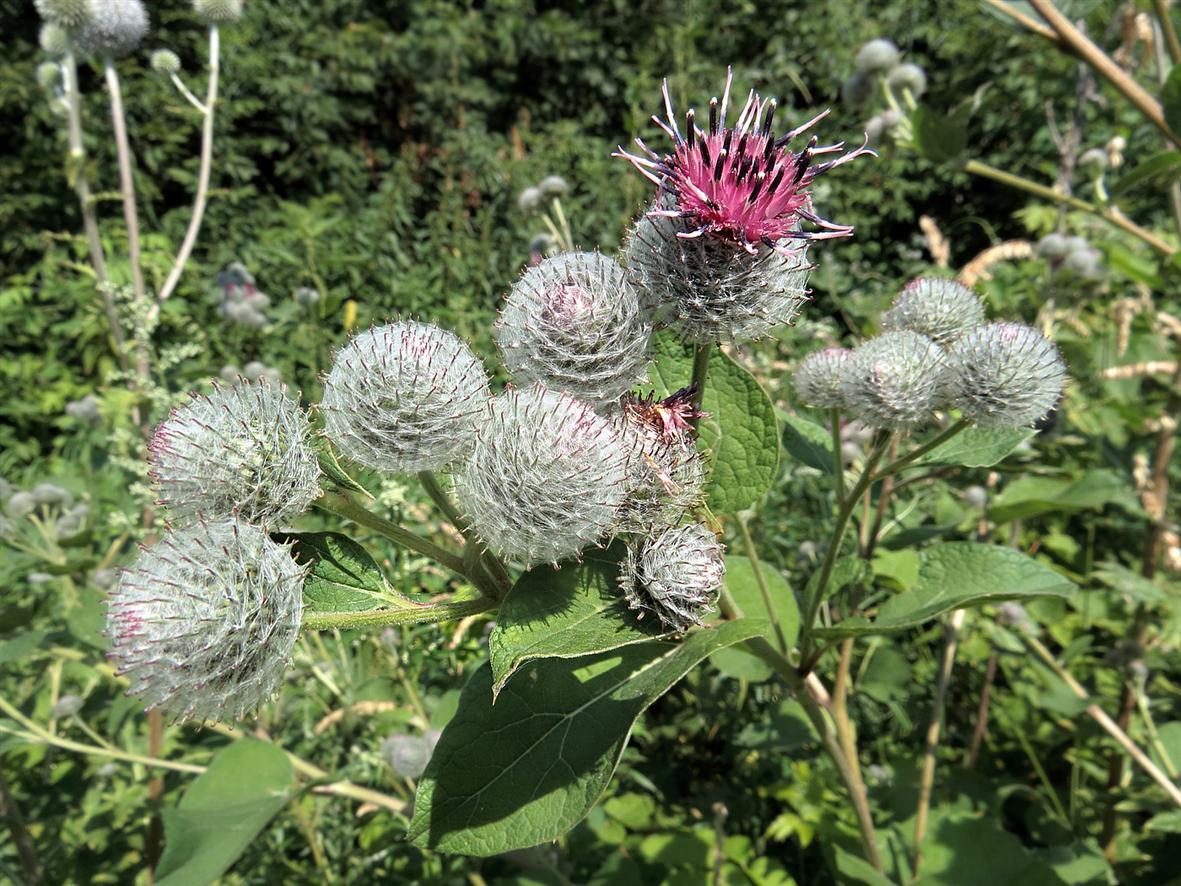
(66, 13)
(216, 12)
(49, 75)
(54, 39)
(877, 56)
(165, 61)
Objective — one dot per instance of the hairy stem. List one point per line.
(186, 246)
(838, 460)
(701, 354)
(126, 177)
(753, 555)
(982, 712)
(935, 442)
(495, 567)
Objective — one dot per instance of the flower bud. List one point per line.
(165, 61)
(574, 323)
(676, 575)
(1005, 375)
(1086, 264)
(53, 39)
(910, 77)
(51, 494)
(553, 186)
(404, 398)
(20, 504)
(976, 497)
(85, 410)
(306, 296)
(409, 754)
(66, 706)
(940, 309)
(859, 88)
(877, 56)
(817, 379)
(204, 622)
(1093, 160)
(546, 477)
(243, 449)
(1052, 246)
(530, 199)
(49, 75)
(894, 380)
(217, 12)
(114, 29)
(665, 472)
(708, 289)
(64, 13)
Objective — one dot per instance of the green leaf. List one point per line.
(565, 613)
(332, 469)
(527, 769)
(977, 447)
(222, 811)
(939, 138)
(740, 437)
(845, 572)
(1166, 163)
(343, 577)
(957, 575)
(1170, 98)
(744, 587)
(1124, 580)
(1031, 496)
(807, 442)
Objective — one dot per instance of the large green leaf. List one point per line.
(743, 585)
(343, 577)
(1031, 496)
(807, 442)
(957, 575)
(938, 137)
(1165, 164)
(527, 769)
(740, 437)
(222, 811)
(565, 613)
(977, 447)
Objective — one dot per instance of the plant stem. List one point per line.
(938, 440)
(838, 460)
(186, 246)
(349, 508)
(982, 712)
(10, 811)
(493, 564)
(419, 614)
(753, 555)
(975, 167)
(701, 355)
(927, 780)
(1027, 22)
(1166, 23)
(126, 177)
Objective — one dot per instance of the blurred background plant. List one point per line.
(379, 159)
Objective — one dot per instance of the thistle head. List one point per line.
(1005, 375)
(115, 28)
(404, 398)
(877, 56)
(940, 309)
(894, 380)
(49, 75)
(203, 623)
(64, 13)
(909, 77)
(165, 61)
(817, 379)
(676, 575)
(1053, 246)
(244, 449)
(53, 39)
(709, 291)
(546, 477)
(408, 755)
(218, 12)
(740, 183)
(574, 323)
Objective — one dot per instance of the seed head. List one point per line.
(546, 477)
(165, 61)
(940, 309)
(114, 29)
(894, 380)
(676, 574)
(243, 449)
(740, 184)
(203, 623)
(64, 13)
(877, 56)
(404, 398)
(218, 11)
(817, 379)
(1005, 375)
(574, 323)
(707, 290)
(665, 469)
(910, 77)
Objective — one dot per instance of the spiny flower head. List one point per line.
(817, 379)
(65, 13)
(940, 309)
(404, 398)
(165, 61)
(876, 56)
(910, 77)
(546, 477)
(218, 11)
(709, 291)
(203, 623)
(243, 449)
(894, 380)
(575, 323)
(53, 39)
(1005, 375)
(676, 574)
(740, 183)
(114, 28)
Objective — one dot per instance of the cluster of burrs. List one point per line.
(937, 352)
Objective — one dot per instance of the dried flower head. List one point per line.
(666, 470)
(404, 398)
(575, 324)
(115, 28)
(817, 379)
(64, 13)
(203, 623)
(243, 449)
(165, 61)
(218, 11)
(546, 477)
(938, 308)
(740, 183)
(708, 290)
(676, 575)
(894, 380)
(1005, 375)
(877, 56)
